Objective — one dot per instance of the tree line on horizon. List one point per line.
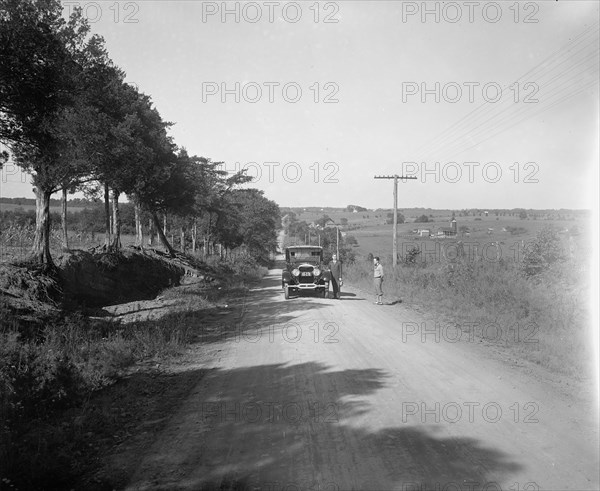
(72, 122)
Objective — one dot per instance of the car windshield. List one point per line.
(304, 256)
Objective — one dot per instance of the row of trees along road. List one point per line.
(72, 122)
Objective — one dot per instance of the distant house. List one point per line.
(424, 232)
(448, 231)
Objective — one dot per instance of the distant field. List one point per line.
(19, 248)
(375, 236)
(11, 207)
(494, 244)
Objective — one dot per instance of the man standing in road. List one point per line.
(378, 280)
(336, 275)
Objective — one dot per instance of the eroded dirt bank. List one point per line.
(106, 279)
(82, 279)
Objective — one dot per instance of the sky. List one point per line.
(488, 104)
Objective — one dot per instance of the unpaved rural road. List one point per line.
(327, 395)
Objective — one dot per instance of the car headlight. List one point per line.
(296, 272)
(317, 272)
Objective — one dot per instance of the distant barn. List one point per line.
(448, 231)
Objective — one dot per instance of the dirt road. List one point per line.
(331, 395)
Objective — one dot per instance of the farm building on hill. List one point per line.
(448, 231)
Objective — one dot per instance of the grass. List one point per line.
(542, 319)
(49, 375)
(58, 370)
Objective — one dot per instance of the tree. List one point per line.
(351, 240)
(40, 72)
(355, 207)
(170, 187)
(82, 127)
(134, 149)
(261, 219)
(323, 221)
(211, 206)
(390, 218)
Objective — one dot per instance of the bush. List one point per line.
(412, 255)
(541, 253)
(516, 230)
(35, 380)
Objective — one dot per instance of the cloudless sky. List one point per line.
(534, 147)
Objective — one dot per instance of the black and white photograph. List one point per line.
(299, 245)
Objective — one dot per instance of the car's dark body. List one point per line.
(302, 262)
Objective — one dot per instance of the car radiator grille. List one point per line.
(306, 279)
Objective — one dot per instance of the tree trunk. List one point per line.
(194, 237)
(63, 219)
(116, 245)
(106, 218)
(150, 231)
(182, 245)
(162, 236)
(205, 249)
(138, 236)
(165, 224)
(41, 240)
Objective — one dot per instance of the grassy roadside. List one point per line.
(51, 377)
(542, 318)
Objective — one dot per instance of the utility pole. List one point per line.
(337, 237)
(395, 177)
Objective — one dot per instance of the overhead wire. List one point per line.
(471, 126)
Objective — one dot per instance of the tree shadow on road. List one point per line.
(303, 425)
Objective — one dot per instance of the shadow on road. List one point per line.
(296, 425)
(292, 425)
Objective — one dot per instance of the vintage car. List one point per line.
(304, 271)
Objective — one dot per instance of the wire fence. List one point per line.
(16, 242)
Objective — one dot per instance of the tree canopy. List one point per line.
(70, 119)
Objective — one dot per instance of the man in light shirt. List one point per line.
(378, 280)
(336, 276)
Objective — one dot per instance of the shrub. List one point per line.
(541, 253)
(412, 255)
(516, 230)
